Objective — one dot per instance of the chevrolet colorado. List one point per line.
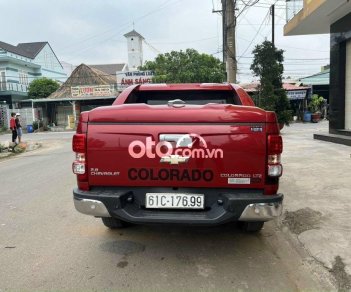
(181, 153)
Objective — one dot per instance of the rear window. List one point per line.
(198, 97)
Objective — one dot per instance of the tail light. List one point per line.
(79, 143)
(275, 148)
(274, 151)
(79, 166)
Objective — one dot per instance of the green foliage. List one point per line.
(316, 103)
(186, 67)
(42, 88)
(268, 66)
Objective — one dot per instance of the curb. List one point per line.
(24, 147)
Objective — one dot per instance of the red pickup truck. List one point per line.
(182, 153)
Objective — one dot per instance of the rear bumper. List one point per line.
(221, 205)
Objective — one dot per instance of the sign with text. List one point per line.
(125, 79)
(87, 91)
(296, 94)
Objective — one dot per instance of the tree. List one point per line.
(42, 88)
(186, 67)
(268, 66)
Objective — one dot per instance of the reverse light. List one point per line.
(275, 170)
(274, 150)
(78, 167)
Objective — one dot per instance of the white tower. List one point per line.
(135, 49)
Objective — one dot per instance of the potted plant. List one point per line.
(315, 106)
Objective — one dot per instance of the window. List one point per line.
(23, 77)
(46, 61)
(199, 97)
(52, 62)
(2, 80)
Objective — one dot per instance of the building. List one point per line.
(297, 95)
(334, 17)
(21, 64)
(108, 69)
(84, 90)
(319, 83)
(135, 49)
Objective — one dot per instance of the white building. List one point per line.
(333, 17)
(135, 49)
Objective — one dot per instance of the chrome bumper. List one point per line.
(91, 207)
(261, 212)
(115, 202)
(252, 212)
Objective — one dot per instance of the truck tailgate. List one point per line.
(222, 155)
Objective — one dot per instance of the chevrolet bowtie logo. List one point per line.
(174, 159)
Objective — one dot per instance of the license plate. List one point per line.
(174, 201)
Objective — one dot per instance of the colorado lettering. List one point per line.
(170, 174)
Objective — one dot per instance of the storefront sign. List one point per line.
(84, 91)
(125, 79)
(296, 94)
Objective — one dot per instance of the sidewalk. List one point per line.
(34, 141)
(317, 187)
(40, 136)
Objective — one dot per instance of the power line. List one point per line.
(304, 49)
(258, 31)
(161, 7)
(113, 27)
(247, 5)
(291, 64)
(291, 59)
(187, 42)
(257, 24)
(152, 47)
(262, 23)
(62, 77)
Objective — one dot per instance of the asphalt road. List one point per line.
(46, 245)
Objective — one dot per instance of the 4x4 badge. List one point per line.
(174, 159)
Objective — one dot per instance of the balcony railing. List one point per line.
(293, 7)
(11, 86)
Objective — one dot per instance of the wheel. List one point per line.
(254, 226)
(114, 223)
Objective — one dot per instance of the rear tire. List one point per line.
(254, 226)
(114, 223)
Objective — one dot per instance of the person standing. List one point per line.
(18, 127)
(13, 127)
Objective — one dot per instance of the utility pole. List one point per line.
(273, 22)
(229, 45)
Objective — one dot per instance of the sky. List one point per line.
(91, 31)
